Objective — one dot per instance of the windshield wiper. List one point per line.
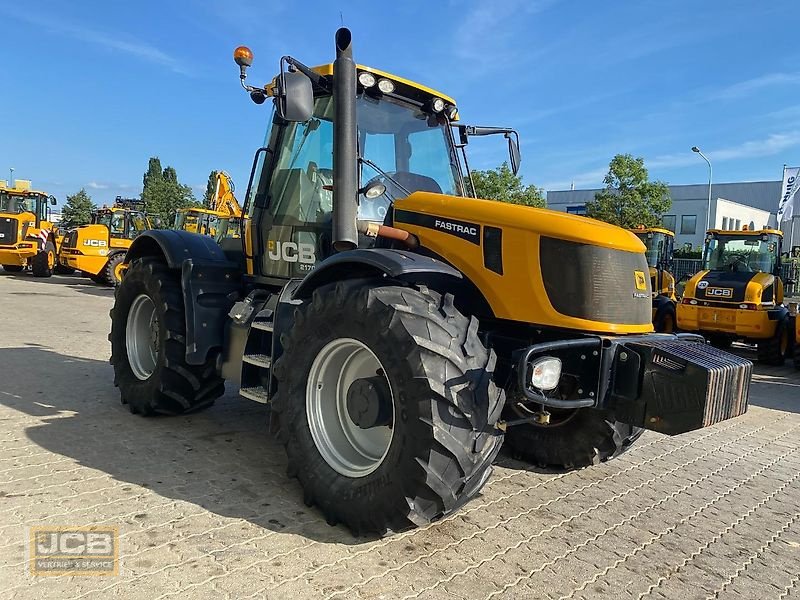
(369, 163)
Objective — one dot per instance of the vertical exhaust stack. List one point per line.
(345, 145)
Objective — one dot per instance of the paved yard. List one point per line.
(205, 510)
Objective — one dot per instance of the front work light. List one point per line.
(437, 105)
(366, 79)
(385, 86)
(545, 373)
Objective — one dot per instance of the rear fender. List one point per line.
(209, 281)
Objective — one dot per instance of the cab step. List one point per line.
(257, 393)
(259, 360)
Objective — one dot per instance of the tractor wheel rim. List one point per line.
(346, 447)
(142, 337)
(118, 270)
(51, 260)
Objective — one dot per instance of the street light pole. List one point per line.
(11, 178)
(708, 207)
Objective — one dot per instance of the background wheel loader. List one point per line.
(27, 236)
(396, 326)
(222, 220)
(659, 245)
(739, 294)
(97, 249)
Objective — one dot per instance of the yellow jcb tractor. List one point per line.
(396, 326)
(97, 249)
(222, 220)
(658, 245)
(739, 294)
(27, 236)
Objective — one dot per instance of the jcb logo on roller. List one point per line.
(292, 252)
(95, 243)
(719, 292)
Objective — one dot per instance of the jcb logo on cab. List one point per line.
(719, 292)
(95, 243)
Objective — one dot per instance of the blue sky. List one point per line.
(92, 89)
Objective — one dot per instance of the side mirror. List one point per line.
(295, 97)
(52, 200)
(513, 152)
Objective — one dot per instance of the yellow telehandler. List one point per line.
(738, 295)
(222, 220)
(97, 249)
(396, 326)
(28, 238)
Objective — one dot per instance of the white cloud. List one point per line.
(107, 39)
(770, 145)
(93, 185)
(748, 86)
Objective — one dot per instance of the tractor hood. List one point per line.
(543, 221)
(535, 265)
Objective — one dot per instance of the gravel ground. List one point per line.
(205, 510)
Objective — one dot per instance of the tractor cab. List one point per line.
(742, 252)
(407, 139)
(125, 220)
(216, 224)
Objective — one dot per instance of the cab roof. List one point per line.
(653, 230)
(21, 191)
(745, 232)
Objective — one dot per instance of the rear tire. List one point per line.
(586, 437)
(13, 268)
(45, 260)
(665, 321)
(109, 272)
(150, 367)
(445, 406)
(773, 351)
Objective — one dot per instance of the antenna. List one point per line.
(341, 18)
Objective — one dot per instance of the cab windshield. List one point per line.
(412, 148)
(748, 254)
(656, 244)
(15, 204)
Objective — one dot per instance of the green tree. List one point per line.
(630, 198)
(211, 190)
(154, 172)
(163, 194)
(501, 184)
(77, 210)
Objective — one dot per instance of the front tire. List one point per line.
(45, 260)
(109, 274)
(148, 346)
(574, 439)
(773, 351)
(432, 449)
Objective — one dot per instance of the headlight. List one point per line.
(437, 104)
(366, 79)
(386, 86)
(545, 373)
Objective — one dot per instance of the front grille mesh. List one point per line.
(595, 283)
(8, 231)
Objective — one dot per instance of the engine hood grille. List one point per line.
(596, 283)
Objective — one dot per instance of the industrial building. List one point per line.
(733, 205)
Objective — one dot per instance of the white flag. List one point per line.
(791, 183)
